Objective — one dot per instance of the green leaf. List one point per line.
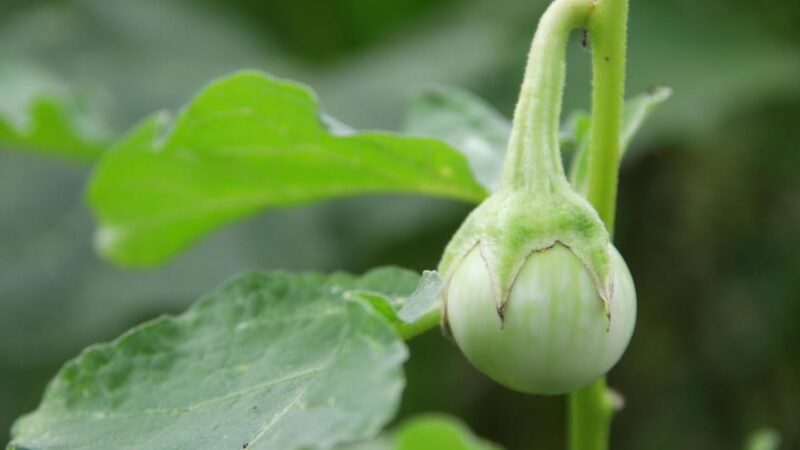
(380, 443)
(638, 109)
(634, 113)
(427, 432)
(465, 121)
(50, 131)
(274, 361)
(410, 305)
(580, 126)
(423, 298)
(249, 142)
(763, 439)
(386, 290)
(39, 114)
(573, 131)
(439, 432)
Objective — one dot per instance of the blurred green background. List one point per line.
(709, 214)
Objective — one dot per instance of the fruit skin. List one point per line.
(555, 335)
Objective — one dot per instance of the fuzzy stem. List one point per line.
(591, 408)
(589, 417)
(608, 28)
(533, 160)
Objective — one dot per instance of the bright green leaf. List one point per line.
(246, 143)
(439, 432)
(49, 130)
(274, 361)
(466, 122)
(763, 439)
(428, 432)
(38, 114)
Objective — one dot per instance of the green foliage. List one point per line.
(465, 121)
(154, 194)
(423, 297)
(764, 439)
(57, 295)
(412, 314)
(638, 109)
(471, 125)
(49, 130)
(39, 114)
(439, 432)
(275, 361)
(427, 432)
(246, 143)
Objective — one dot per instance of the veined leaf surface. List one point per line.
(269, 361)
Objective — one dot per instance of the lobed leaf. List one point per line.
(268, 361)
(246, 143)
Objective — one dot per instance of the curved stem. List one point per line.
(591, 408)
(533, 160)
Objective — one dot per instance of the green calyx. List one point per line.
(511, 225)
(535, 207)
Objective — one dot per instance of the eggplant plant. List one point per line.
(530, 287)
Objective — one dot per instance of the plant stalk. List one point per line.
(591, 408)
(608, 28)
